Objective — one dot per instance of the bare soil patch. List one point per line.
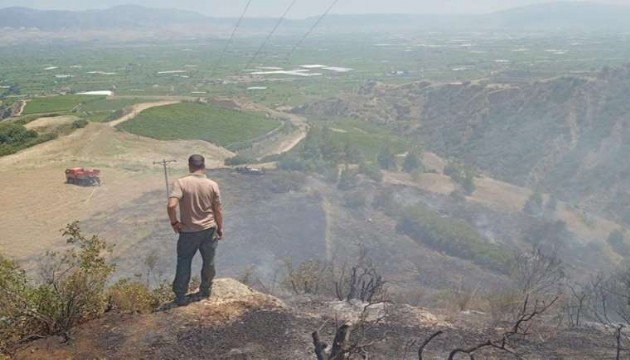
(38, 202)
(50, 122)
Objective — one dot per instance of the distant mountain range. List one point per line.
(114, 18)
(561, 16)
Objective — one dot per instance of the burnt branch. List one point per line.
(520, 327)
(320, 347)
(340, 344)
(618, 334)
(426, 342)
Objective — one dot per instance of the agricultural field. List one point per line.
(192, 68)
(108, 105)
(191, 121)
(106, 109)
(54, 104)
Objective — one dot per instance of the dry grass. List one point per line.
(48, 123)
(33, 189)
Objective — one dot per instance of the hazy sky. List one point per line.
(303, 8)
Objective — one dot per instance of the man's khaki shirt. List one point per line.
(197, 197)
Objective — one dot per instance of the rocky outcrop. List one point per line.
(240, 323)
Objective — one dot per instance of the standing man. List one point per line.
(200, 226)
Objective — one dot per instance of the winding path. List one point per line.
(134, 110)
(20, 109)
(288, 143)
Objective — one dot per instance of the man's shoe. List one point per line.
(181, 300)
(202, 295)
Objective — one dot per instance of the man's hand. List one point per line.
(177, 226)
(219, 234)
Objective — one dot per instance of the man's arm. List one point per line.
(173, 201)
(171, 209)
(218, 217)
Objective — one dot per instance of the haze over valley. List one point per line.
(463, 169)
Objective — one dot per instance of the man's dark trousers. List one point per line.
(187, 247)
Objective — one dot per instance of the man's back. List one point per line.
(198, 196)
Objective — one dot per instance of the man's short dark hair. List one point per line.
(197, 162)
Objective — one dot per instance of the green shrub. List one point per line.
(15, 137)
(14, 134)
(372, 171)
(131, 296)
(79, 124)
(239, 160)
(72, 290)
(453, 236)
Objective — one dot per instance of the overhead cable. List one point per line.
(236, 27)
(273, 31)
(308, 33)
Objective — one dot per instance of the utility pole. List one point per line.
(165, 163)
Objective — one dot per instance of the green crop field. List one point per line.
(106, 109)
(106, 104)
(188, 121)
(53, 104)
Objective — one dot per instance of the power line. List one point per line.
(273, 31)
(165, 164)
(236, 27)
(319, 20)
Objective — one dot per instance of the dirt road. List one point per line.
(286, 143)
(20, 108)
(134, 110)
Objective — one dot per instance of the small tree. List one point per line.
(534, 205)
(468, 183)
(412, 162)
(347, 180)
(387, 159)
